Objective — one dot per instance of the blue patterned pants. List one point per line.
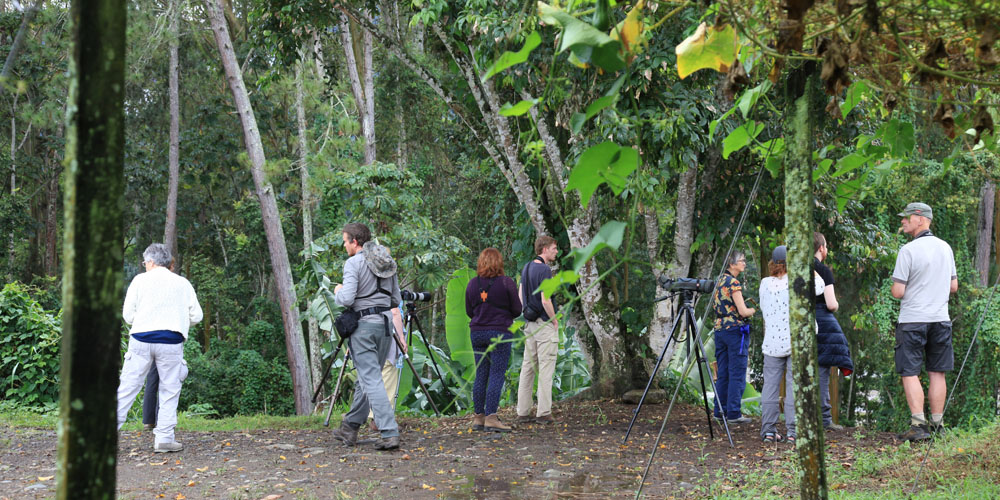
(491, 369)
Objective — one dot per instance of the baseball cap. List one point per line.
(779, 254)
(917, 208)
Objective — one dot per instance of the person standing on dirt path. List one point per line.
(541, 343)
(924, 279)
(161, 307)
(832, 349)
(371, 288)
(732, 341)
(492, 303)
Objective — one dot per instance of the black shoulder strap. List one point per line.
(378, 289)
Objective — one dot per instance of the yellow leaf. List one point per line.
(629, 31)
(201, 469)
(281, 457)
(427, 487)
(191, 483)
(440, 471)
(45, 478)
(708, 47)
(180, 496)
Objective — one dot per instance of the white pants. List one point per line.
(170, 364)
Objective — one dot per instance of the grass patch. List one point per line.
(961, 465)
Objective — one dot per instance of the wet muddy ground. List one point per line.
(582, 456)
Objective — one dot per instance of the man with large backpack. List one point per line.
(541, 344)
(371, 290)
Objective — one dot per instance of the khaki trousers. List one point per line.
(390, 377)
(541, 346)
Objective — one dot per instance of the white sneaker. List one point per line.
(167, 447)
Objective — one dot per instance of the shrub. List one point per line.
(29, 350)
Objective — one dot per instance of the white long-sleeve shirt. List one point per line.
(161, 300)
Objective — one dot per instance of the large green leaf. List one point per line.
(740, 137)
(587, 43)
(854, 94)
(849, 163)
(517, 109)
(606, 162)
(610, 236)
(708, 47)
(508, 58)
(578, 119)
(549, 286)
(456, 322)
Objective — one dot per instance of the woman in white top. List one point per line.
(777, 348)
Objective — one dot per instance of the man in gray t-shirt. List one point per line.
(923, 279)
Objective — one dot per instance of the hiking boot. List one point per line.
(167, 447)
(493, 424)
(371, 426)
(834, 427)
(741, 420)
(545, 419)
(936, 427)
(148, 427)
(916, 433)
(478, 420)
(524, 419)
(346, 434)
(389, 443)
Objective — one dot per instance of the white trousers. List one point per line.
(169, 360)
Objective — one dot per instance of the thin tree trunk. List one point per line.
(362, 90)
(13, 183)
(987, 196)
(170, 229)
(315, 341)
(802, 84)
(51, 224)
(18, 45)
(294, 343)
(93, 277)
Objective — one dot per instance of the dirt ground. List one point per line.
(580, 457)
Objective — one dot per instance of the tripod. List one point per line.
(340, 377)
(693, 342)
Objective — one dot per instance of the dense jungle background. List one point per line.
(449, 127)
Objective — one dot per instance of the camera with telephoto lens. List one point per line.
(415, 296)
(686, 284)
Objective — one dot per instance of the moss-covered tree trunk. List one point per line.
(801, 86)
(93, 251)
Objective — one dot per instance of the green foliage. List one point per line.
(457, 322)
(508, 58)
(29, 350)
(239, 381)
(585, 42)
(606, 162)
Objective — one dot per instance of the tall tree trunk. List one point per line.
(51, 224)
(18, 45)
(13, 184)
(315, 341)
(801, 87)
(987, 197)
(170, 229)
(362, 83)
(294, 343)
(92, 276)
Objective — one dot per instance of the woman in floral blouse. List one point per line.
(732, 336)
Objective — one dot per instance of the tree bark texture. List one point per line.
(18, 44)
(13, 183)
(801, 83)
(987, 197)
(93, 252)
(294, 343)
(170, 228)
(315, 341)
